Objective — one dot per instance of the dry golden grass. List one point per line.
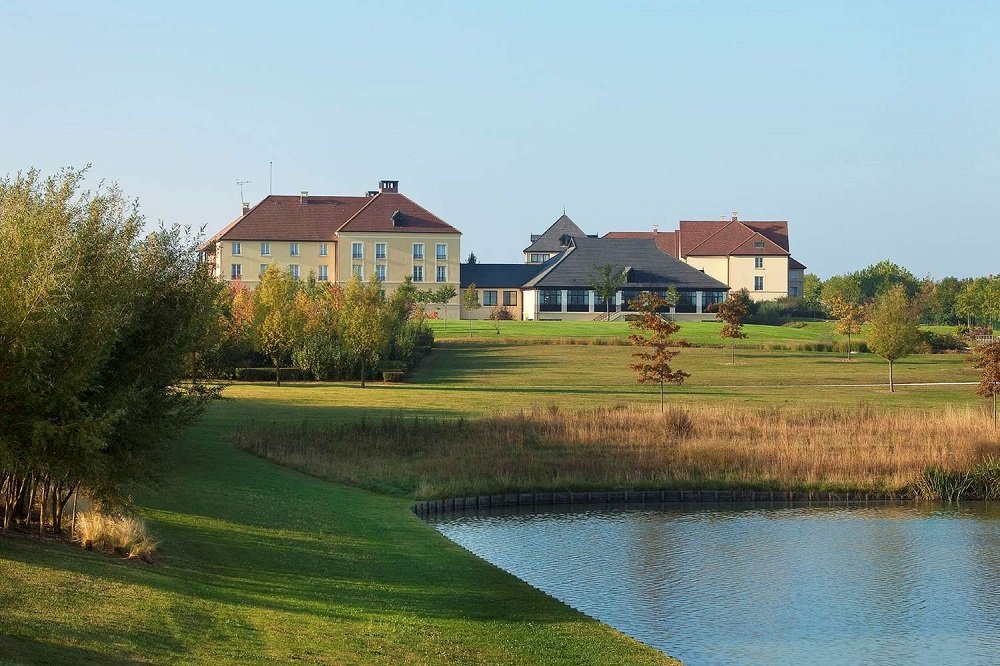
(831, 449)
(123, 535)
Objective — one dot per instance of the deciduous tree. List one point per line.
(850, 318)
(470, 301)
(893, 327)
(733, 313)
(278, 322)
(988, 360)
(365, 328)
(606, 280)
(656, 347)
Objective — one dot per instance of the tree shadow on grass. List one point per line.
(15, 649)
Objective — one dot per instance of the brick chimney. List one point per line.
(246, 208)
(304, 197)
(735, 216)
(388, 186)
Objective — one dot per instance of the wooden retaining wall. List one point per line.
(435, 507)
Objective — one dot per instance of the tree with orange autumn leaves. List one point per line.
(655, 346)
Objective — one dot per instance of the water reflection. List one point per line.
(766, 584)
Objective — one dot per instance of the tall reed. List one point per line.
(790, 448)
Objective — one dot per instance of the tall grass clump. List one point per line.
(706, 446)
(122, 535)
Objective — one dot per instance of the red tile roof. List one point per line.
(320, 218)
(735, 237)
(393, 212)
(666, 241)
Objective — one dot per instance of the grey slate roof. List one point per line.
(650, 268)
(551, 239)
(499, 276)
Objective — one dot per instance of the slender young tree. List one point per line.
(606, 280)
(850, 317)
(443, 295)
(655, 346)
(278, 322)
(988, 360)
(470, 300)
(733, 313)
(893, 327)
(364, 322)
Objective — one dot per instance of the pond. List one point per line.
(791, 584)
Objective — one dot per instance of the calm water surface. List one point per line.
(766, 585)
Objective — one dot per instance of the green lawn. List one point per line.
(260, 563)
(695, 332)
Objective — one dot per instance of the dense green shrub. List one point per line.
(941, 342)
(783, 310)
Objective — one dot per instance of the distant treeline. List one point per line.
(950, 301)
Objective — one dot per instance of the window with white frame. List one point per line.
(380, 272)
(323, 250)
(294, 270)
(358, 271)
(236, 271)
(442, 274)
(265, 249)
(293, 249)
(758, 262)
(441, 251)
(418, 251)
(263, 269)
(324, 273)
(758, 283)
(357, 250)
(418, 273)
(380, 250)
(237, 248)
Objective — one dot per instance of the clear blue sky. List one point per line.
(873, 127)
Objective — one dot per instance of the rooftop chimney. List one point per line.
(370, 193)
(735, 216)
(246, 208)
(656, 228)
(388, 186)
(303, 196)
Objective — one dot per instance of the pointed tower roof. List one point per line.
(556, 238)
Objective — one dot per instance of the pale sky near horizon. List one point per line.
(872, 127)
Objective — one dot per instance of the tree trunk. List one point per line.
(734, 352)
(661, 396)
(607, 304)
(362, 371)
(892, 387)
(848, 347)
(76, 501)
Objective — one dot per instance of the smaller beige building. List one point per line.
(744, 254)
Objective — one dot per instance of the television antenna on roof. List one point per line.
(241, 183)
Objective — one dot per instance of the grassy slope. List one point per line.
(263, 564)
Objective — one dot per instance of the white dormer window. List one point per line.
(758, 245)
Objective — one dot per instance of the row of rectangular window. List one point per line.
(440, 275)
(236, 271)
(265, 249)
(490, 298)
(381, 251)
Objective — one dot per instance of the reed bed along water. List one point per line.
(624, 447)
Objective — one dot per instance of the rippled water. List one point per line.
(766, 585)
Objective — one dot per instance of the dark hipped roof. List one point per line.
(649, 267)
(665, 240)
(498, 276)
(552, 238)
(796, 264)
